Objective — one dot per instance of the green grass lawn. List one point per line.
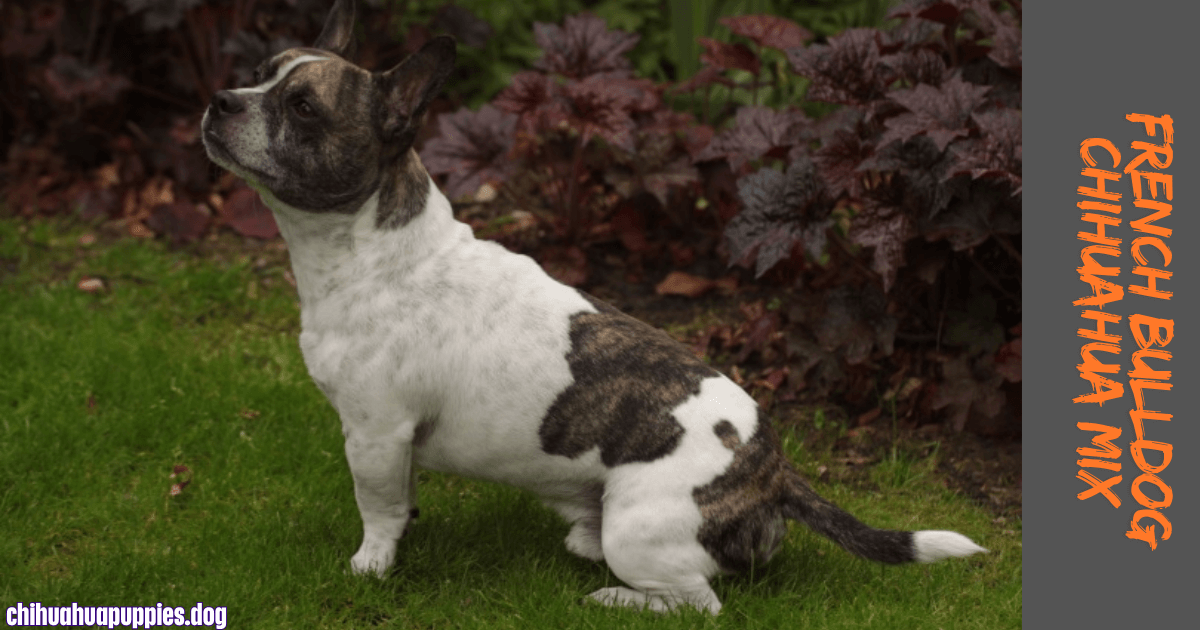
(180, 361)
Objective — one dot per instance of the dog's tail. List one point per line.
(805, 505)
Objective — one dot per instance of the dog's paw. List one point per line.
(703, 600)
(373, 557)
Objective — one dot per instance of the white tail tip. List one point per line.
(933, 545)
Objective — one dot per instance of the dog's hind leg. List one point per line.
(583, 512)
(652, 547)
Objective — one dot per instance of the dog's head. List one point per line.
(321, 134)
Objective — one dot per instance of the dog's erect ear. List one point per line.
(409, 87)
(338, 34)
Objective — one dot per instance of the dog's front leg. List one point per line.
(384, 487)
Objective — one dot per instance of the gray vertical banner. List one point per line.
(1087, 66)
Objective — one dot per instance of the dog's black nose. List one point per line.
(226, 102)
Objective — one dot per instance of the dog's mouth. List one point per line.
(219, 152)
(216, 148)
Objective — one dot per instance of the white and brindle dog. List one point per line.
(450, 353)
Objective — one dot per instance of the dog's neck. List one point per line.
(329, 250)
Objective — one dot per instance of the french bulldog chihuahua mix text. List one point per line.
(450, 353)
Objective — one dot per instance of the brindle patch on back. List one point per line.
(742, 509)
(629, 376)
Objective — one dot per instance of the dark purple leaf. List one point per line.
(471, 148)
(755, 133)
(583, 46)
(780, 210)
(538, 99)
(847, 70)
(655, 166)
(1006, 46)
(918, 66)
(885, 230)
(728, 56)
(636, 95)
(16, 42)
(708, 75)
(672, 124)
(839, 159)
(668, 121)
(940, 11)
(160, 14)
(855, 320)
(966, 389)
(249, 49)
(1005, 32)
(602, 107)
(629, 224)
(768, 30)
(914, 178)
(971, 218)
(69, 79)
(997, 153)
(674, 174)
(912, 34)
(940, 113)
(696, 139)
(46, 16)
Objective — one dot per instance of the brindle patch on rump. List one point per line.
(744, 509)
(629, 376)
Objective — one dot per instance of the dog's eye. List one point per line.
(303, 109)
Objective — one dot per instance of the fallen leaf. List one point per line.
(567, 265)
(182, 221)
(869, 417)
(685, 284)
(89, 284)
(245, 212)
